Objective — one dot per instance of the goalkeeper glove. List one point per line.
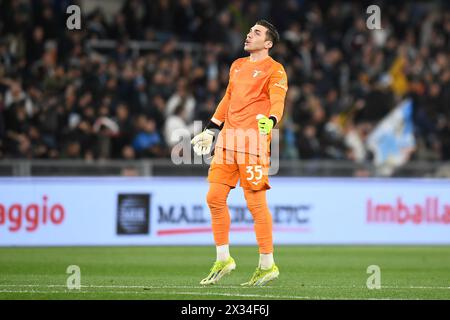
(265, 124)
(203, 142)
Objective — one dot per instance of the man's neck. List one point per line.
(258, 56)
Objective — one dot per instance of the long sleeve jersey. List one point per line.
(254, 88)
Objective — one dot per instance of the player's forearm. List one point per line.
(277, 107)
(218, 119)
(219, 116)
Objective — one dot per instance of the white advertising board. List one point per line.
(173, 211)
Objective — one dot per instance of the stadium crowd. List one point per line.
(62, 98)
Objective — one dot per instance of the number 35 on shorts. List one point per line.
(254, 172)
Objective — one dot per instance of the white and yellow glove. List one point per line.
(265, 124)
(203, 142)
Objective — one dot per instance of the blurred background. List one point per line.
(104, 100)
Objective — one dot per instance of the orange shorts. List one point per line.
(228, 166)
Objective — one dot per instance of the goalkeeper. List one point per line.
(253, 103)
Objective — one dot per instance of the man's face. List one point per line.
(256, 39)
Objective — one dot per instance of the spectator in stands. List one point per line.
(147, 141)
(56, 87)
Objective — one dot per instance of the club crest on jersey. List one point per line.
(256, 73)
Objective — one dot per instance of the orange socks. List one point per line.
(257, 204)
(220, 216)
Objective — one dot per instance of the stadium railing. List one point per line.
(137, 47)
(165, 167)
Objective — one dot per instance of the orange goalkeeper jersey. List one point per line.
(254, 88)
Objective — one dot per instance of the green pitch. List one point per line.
(306, 272)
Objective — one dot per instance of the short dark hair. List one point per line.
(272, 33)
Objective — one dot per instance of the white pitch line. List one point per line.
(241, 295)
(285, 297)
(74, 291)
(197, 294)
(131, 287)
(215, 287)
(419, 287)
(157, 292)
(121, 286)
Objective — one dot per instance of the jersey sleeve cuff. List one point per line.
(214, 124)
(274, 119)
(216, 121)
